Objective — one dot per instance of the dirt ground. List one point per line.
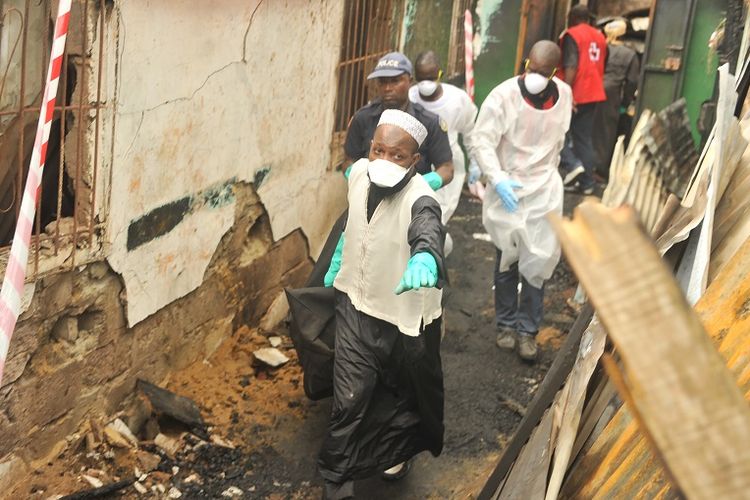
(276, 431)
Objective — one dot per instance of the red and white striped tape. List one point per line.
(469, 53)
(15, 273)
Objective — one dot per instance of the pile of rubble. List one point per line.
(168, 450)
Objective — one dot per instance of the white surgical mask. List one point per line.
(384, 173)
(427, 87)
(535, 83)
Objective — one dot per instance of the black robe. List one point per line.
(387, 386)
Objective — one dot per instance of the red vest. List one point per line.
(588, 85)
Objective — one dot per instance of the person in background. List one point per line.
(456, 109)
(620, 83)
(393, 75)
(584, 52)
(518, 137)
(387, 272)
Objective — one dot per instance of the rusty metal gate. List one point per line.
(66, 215)
(370, 31)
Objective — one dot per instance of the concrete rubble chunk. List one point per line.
(232, 492)
(174, 493)
(219, 441)
(115, 438)
(94, 482)
(275, 341)
(166, 402)
(124, 430)
(140, 488)
(193, 478)
(147, 461)
(91, 443)
(169, 445)
(270, 356)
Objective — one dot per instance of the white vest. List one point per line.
(376, 253)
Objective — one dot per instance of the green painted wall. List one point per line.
(497, 22)
(427, 26)
(700, 65)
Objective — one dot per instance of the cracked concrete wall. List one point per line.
(73, 357)
(218, 193)
(218, 93)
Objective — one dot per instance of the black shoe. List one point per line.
(578, 189)
(400, 474)
(571, 176)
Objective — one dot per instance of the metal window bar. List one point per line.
(456, 56)
(367, 36)
(66, 218)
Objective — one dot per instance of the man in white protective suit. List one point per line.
(458, 112)
(517, 138)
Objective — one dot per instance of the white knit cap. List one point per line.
(406, 122)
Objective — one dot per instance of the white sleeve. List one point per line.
(489, 128)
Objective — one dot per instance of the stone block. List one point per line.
(216, 333)
(11, 468)
(56, 295)
(276, 313)
(66, 329)
(38, 400)
(98, 270)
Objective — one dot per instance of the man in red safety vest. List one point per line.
(584, 57)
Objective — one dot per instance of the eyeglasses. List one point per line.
(526, 69)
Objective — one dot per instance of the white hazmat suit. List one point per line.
(512, 139)
(458, 111)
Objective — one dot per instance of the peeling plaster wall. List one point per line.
(218, 93)
(216, 195)
(73, 358)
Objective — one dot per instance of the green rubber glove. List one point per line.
(421, 272)
(348, 171)
(335, 266)
(434, 180)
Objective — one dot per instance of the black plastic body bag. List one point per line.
(313, 325)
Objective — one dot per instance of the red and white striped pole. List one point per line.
(15, 273)
(469, 53)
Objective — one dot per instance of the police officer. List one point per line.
(393, 75)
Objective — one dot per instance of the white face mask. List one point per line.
(535, 83)
(427, 87)
(384, 173)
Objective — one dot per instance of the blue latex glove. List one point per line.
(335, 266)
(474, 172)
(348, 171)
(505, 192)
(434, 180)
(421, 271)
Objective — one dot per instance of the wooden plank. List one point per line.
(574, 393)
(528, 478)
(552, 382)
(686, 396)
